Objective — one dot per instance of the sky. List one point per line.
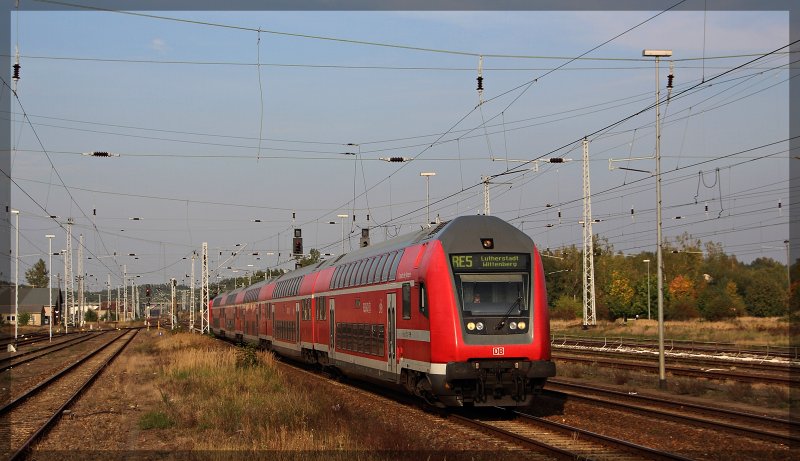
(183, 98)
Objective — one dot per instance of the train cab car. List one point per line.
(456, 314)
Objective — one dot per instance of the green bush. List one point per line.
(566, 308)
(24, 318)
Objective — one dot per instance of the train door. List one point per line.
(297, 322)
(391, 303)
(332, 330)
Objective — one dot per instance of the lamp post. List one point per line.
(427, 175)
(50, 238)
(662, 375)
(16, 276)
(343, 217)
(788, 271)
(648, 287)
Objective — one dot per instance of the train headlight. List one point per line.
(521, 325)
(471, 326)
(512, 326)
(479, 326)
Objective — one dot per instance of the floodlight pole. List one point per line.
(16, 277)
(648, 287)
(343, 217)
(662, 376)
(50, 238)
(427, 175)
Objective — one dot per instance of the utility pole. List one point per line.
(68, 286)
(589, 313)
(172, 283)
(108, 288)
(662, 375)
(191, 296)
(204, 317)
(81, 303)
(117, 305)
(125, 291)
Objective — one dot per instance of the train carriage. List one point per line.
(456, 314)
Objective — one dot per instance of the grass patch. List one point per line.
(238, 399)
(773, 331)
(155, 420)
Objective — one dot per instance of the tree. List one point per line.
(766, 295)
(619, 296)
(24, 318)
(90, 315)
(37, 275)
(312, 258)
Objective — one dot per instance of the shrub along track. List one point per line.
(30, 415)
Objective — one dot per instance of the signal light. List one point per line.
(297, 246)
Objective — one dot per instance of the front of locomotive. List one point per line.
(493, 347)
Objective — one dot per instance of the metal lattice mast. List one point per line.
(191, 297)
(81, 294)
(589, 315)
(125, 292)
(486, 209)
(108, 303)
(68, 285)
(204, 317)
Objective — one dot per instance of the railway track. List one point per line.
(783, 378)
(30, 415)
(19, 358)
(685, 346)
(562, 441)
(767, 428)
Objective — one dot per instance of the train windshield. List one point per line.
(493, 294)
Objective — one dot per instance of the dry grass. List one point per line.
(771, 331)
(235, 400)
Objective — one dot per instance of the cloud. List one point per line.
(159, 45)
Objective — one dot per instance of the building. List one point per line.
(34, 301)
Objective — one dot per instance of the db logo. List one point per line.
(498, 351)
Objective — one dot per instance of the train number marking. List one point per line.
(498, 351)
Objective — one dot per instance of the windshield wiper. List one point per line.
(507, 314)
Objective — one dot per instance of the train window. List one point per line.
(493, 294)
(373, 271)
(348, 275)
(320, 306)
(365, 279)
(353, 274)
(340, 276)
(387, 267)
(362, 268)
(406, 301)
(423, 299)
(395, 264)
(379, 270)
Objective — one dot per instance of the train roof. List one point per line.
(459, 235)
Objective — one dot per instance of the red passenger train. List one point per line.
(456, 314)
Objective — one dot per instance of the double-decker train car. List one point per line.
(456, 314)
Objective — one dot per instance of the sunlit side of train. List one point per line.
(456, 314)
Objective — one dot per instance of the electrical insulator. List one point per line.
(556, 160)
(17, 67)
(396, 159)
(669, 80)
(480, 83)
